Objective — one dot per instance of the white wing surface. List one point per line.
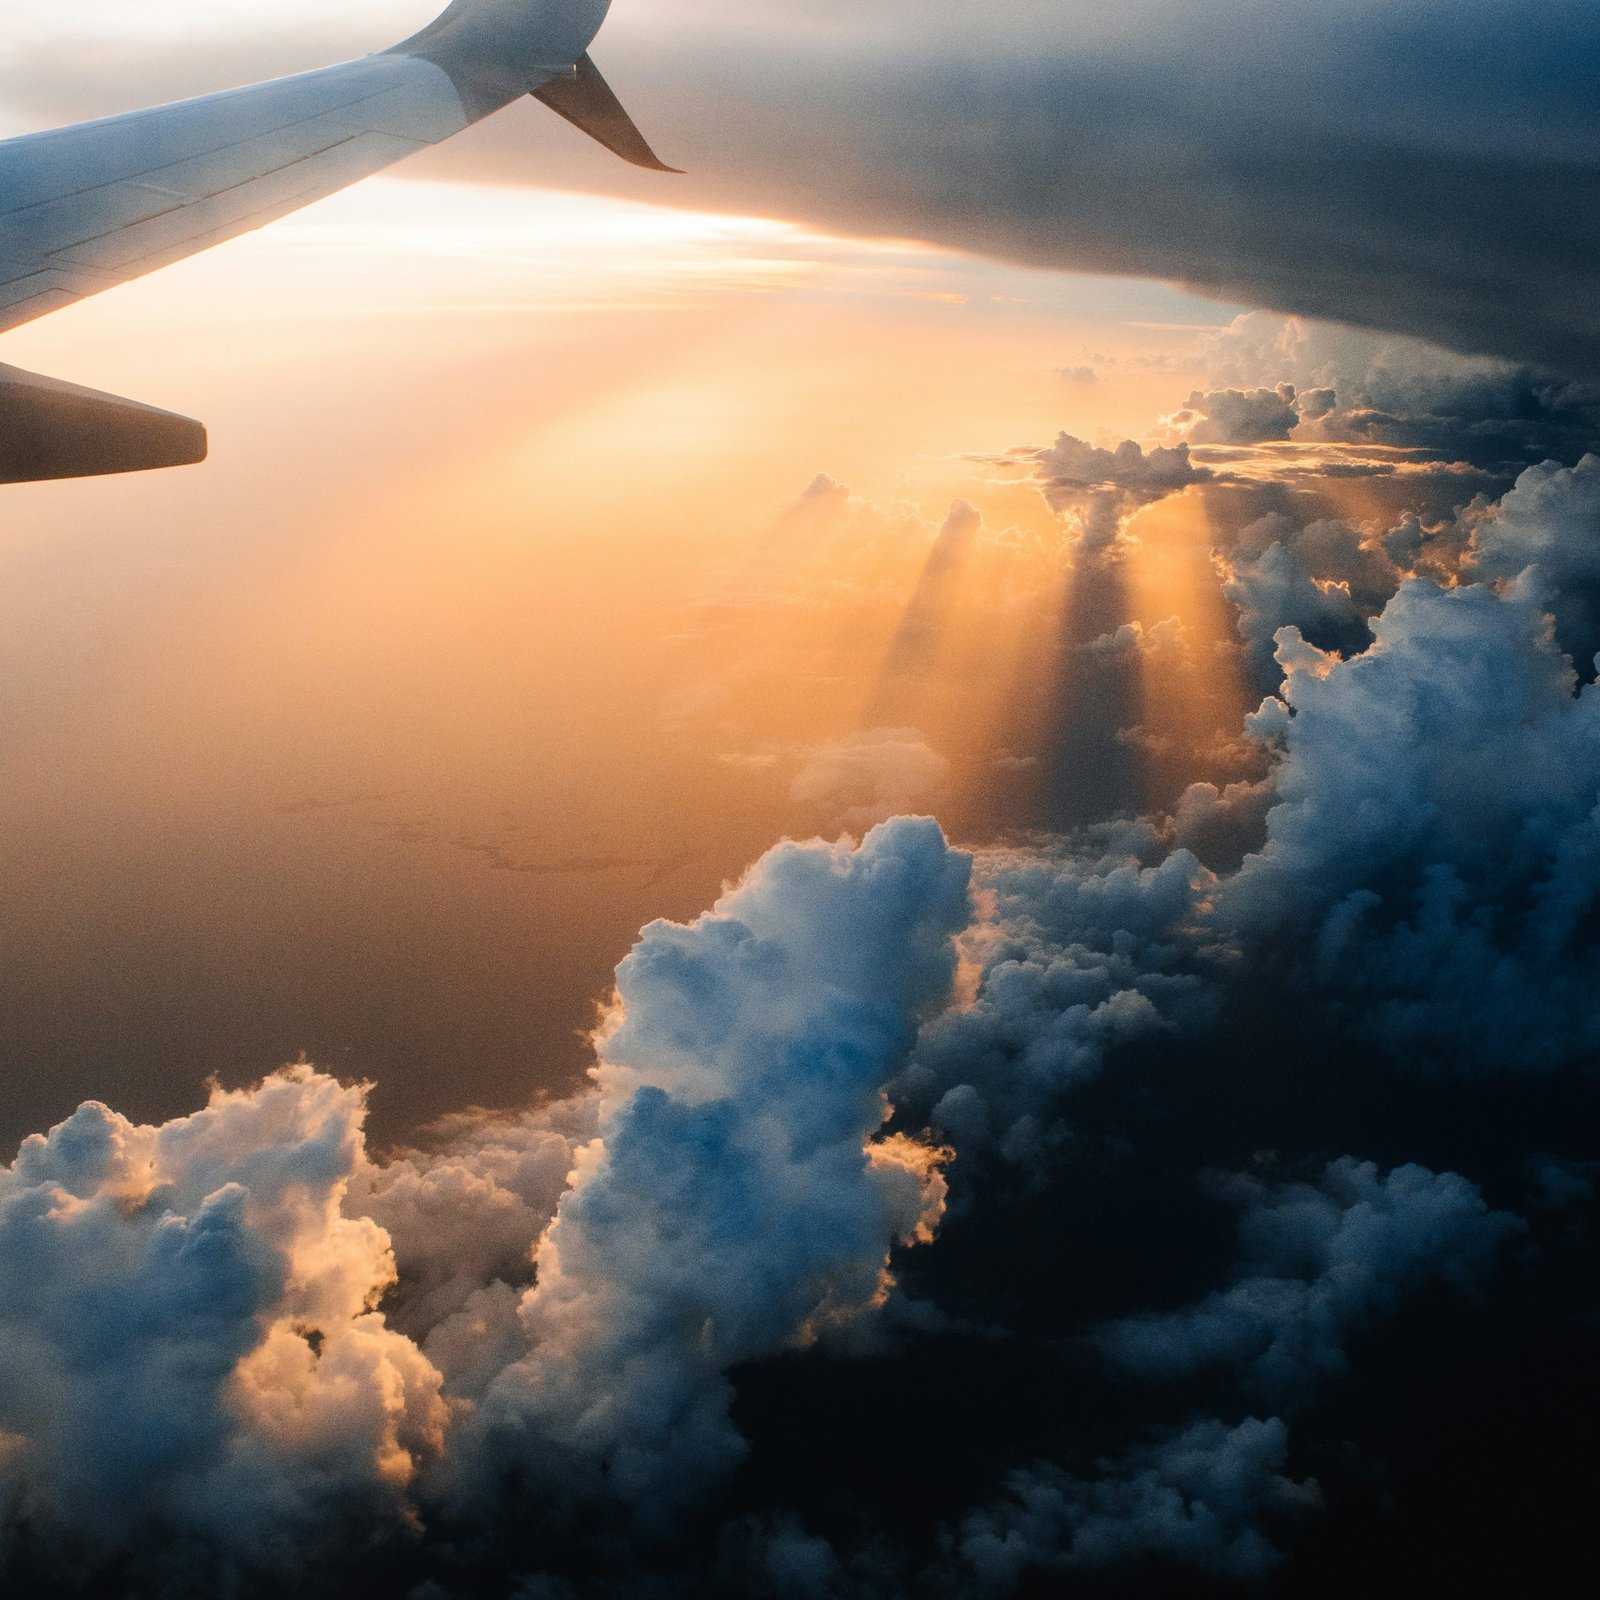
(84, 208)
(88, 207)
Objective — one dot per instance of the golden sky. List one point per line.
(500, 620)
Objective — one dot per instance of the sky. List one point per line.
(436, 693)
(868, 875)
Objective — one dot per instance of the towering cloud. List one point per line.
(738, 1200)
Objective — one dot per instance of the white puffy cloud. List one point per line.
(1542, 540)
(200, 1375)
(464, 1217)
(737, 1201)
(195, 1369)
(1444, 890)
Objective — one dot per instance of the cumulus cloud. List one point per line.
(737, 1201)
(1447, 895)
(463, 1218)
(244, 1310)
(1083, 953)
(242, 1343)
(201, 1375)
(1168, 638)
(196, 1371)
(1100, 487)
(1275, 591)
(1070, 469)
(1320, 1263)
(1239, 416)
(1346, 385)
(1435, 898)
(1198, 1497)
(1542, 540)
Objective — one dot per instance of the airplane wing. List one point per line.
(88, 207)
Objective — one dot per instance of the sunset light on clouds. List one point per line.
(482, 405)
(869, 875)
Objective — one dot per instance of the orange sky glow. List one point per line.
(501, 621)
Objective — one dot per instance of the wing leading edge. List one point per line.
(88, 207)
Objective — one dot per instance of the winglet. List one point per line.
(586, 100)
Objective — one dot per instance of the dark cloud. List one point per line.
(1196, 1499)
(1321, 1262)
(1359, 388)
(1420, 169)
(1084, 953)
(1417, 168)
(1274, 591)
